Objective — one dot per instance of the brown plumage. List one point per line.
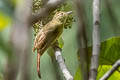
(48, 35)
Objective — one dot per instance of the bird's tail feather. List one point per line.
(38, 65)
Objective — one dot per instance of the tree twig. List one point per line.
(45, 11)
(96, 40)
(62, 65)
(82, 39)
(111, 71)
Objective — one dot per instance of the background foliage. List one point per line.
(110, 45)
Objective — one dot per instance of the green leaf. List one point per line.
(103, 69)
(110, 51)
(61, 42)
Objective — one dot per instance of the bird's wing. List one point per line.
(45, 36)
(39, 40)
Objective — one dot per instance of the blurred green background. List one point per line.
(110, 32)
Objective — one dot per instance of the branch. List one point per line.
(96, 40)
(82, 39)
(45, 11)
(111, 71)
(62, 65)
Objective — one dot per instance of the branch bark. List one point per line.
(111, 71)
(62, 65)
(45, 11)
(96, 40)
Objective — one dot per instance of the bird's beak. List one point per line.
(69, 12)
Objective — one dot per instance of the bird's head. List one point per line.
(61, 15)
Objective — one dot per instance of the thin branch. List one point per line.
(45, 11)
(62, 65)
(111, 71)
(96, 40)
(81, 36)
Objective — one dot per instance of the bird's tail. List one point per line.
(38, 64)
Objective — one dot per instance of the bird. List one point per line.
(49, 34)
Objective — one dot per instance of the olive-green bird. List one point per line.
(48, 35)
